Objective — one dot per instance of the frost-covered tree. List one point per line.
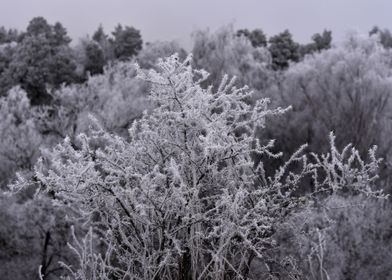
(33, 238)
(384, 35)
(115, 97)
(345, 89)
(20, 138)
(148, 57)
(223, 52)
(347, 238)
(7, 51)
(41, 61)
(182, 197)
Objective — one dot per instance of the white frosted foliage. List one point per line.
(182, 197)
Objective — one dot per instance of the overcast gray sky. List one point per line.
(176, 19)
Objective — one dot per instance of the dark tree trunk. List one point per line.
(185, 266)
(45, 261)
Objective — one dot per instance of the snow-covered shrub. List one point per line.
(33, 233)
(20, 138)
(148, 57)
(344, 238)
(345, 89)
(116, 98)
(223, 52)
(182, 197)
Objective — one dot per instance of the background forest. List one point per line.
(335, 226)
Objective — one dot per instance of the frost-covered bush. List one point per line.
(116, 98)
(344, 238)
(7, 51)
(182, 197)
(345, 89)
(33, 234)
(223, 52)
(20, 138)
(148, 57)
(40, 63)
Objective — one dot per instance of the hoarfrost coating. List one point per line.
(184, 198)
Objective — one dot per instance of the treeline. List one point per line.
(49, 91)
(41, 59)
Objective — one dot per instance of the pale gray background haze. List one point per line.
(176, 19)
